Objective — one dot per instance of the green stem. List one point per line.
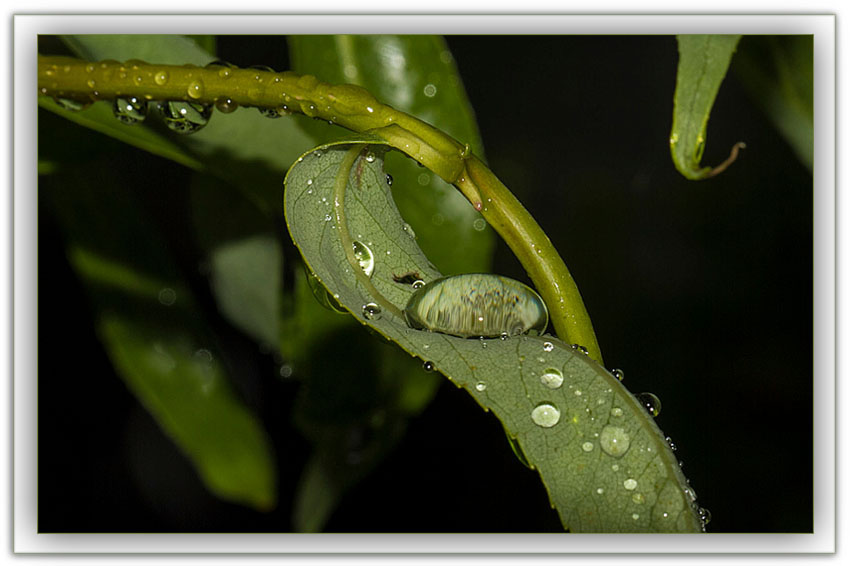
(354, 108)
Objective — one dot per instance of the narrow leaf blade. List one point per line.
(703, 62)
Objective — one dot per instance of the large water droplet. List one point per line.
(364, 257)
(651, 402)
(552, 378)
(371, 311)
(185, 117)
(130, 110)
(614, 441)
(545, 415)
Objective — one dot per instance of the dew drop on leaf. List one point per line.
(614, 441)
(545, 415)
(552, 378)
(364, 257)
(371, 311)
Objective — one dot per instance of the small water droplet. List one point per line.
(130, 110)
(630, 484)
(418, 284)
(479, 224)
(545, 415)
(552, 378)
(370, 157)
(635, 516)
(430, 90)
(587, 447)
(161, 78)
(225, 105)
(674, 138)
(185, 117)
(480, 386)
(651, 402)
(619, 374)
(409, 229)
(364, 257)
(548, 346)
(614, 441)
(428, 366)
(389, 180)
(371, 311)
(615, 467)
(704, 515)
(638, 498)
(670, 443)
(616, 412)
(580, 348)
(195, 89)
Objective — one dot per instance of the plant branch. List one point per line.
(354, 108)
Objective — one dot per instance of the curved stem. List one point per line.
(354, 108)
(340, 184)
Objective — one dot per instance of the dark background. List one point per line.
(700, 291)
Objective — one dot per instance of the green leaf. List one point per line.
(703, 62)
(604, 461)
(245, 259)
(415, 74)
(778, 72)
(154, 331)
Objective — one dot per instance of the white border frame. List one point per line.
(26, 539)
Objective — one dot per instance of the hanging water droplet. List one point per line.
(619, 374)
(225, 105)
(704, 515)
(670, 443)
(587, 447)
(545, 415)
(185, 117)
(322, 295)
(480, 386)
(548, 346)
(364, 257)
(630, 484)
(651, 402)
(418, 284)
(389, 180)
(371, 311)
(195, 89)
(580, 348)
(552, 378)
(71, 104)
(428, 366)
(614, 441)
(129, 110)
(271, 112)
